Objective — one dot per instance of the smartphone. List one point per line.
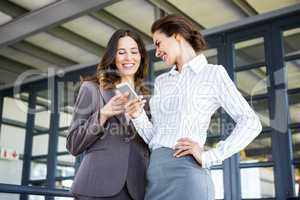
(125, 87)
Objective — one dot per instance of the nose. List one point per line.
(128, 56)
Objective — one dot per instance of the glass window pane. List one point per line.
(261, 108)
(211, 55)
(215, 124)
(297, 180)
(160, 67)
(12, 138)
(293, 73)
(16, 108)
(294, 108)
(42, 115)
(249, 52)
(40, 144)
(257, 182)
(258, 150)
(211, 142)
(291, 41)
(42, 119)
(217, 176)
(66, 172)
(69, 91)
(11, 141)
(9, 196)
(296, 143)
(252, 82)
(38, 171)
(65, 166)
(63, 198)
(65, 118)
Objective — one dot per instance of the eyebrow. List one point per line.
(130, 48)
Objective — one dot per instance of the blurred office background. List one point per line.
(46, 45)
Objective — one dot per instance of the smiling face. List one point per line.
(128, 57)
(167, 48)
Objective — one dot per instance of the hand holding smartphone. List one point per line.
(125, 87)
(136, 103)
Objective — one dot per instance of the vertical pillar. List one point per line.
(279, 116)
(28, 142)
(53, 134)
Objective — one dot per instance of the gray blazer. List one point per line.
(113, 155)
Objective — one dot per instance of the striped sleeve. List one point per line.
(247, 126)
(142, 123)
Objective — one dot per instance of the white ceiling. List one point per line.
(139, 14)
(32, 4)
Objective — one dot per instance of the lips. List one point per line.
(128, 65)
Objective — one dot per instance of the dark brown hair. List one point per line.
(107, 74)
(176, 24)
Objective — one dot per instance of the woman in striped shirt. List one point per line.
(184, 100)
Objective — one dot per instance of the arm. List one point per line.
(85, 127)
(143, 126)
(142, 123)
(247, 126)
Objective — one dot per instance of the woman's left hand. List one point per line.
(186, 146)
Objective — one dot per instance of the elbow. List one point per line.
(71, 147)
(257, 126)
(73, 151)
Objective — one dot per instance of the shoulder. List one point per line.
(216, 71)
(88, 89)
(214, 68)
(88, 85)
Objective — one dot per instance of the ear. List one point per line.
(177, 37)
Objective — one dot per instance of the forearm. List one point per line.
(83, 133)
(245, 131)
(144, 127)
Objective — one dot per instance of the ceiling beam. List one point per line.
(10, 70)
(245, 7)
(172, 9)
(15, 11)
(158, 13)
(76, 40)
(13, 66)
(42, 54)
(113, 21)
(12, 9)
(46, 18)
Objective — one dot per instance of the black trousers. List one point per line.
(123, 195)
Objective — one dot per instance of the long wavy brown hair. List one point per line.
(107, 75)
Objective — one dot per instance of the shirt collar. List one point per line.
(195, 64)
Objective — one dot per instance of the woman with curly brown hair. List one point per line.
(115, 157)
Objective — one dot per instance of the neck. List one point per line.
(128, 79)
(187, 54)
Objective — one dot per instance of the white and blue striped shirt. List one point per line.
(183, 104)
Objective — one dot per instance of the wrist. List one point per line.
(102, 118)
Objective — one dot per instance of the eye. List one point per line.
(157, 43)
(121, 52)
(135, 52)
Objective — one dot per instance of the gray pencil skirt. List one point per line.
(171, 178)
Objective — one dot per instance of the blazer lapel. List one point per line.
(107, 95)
